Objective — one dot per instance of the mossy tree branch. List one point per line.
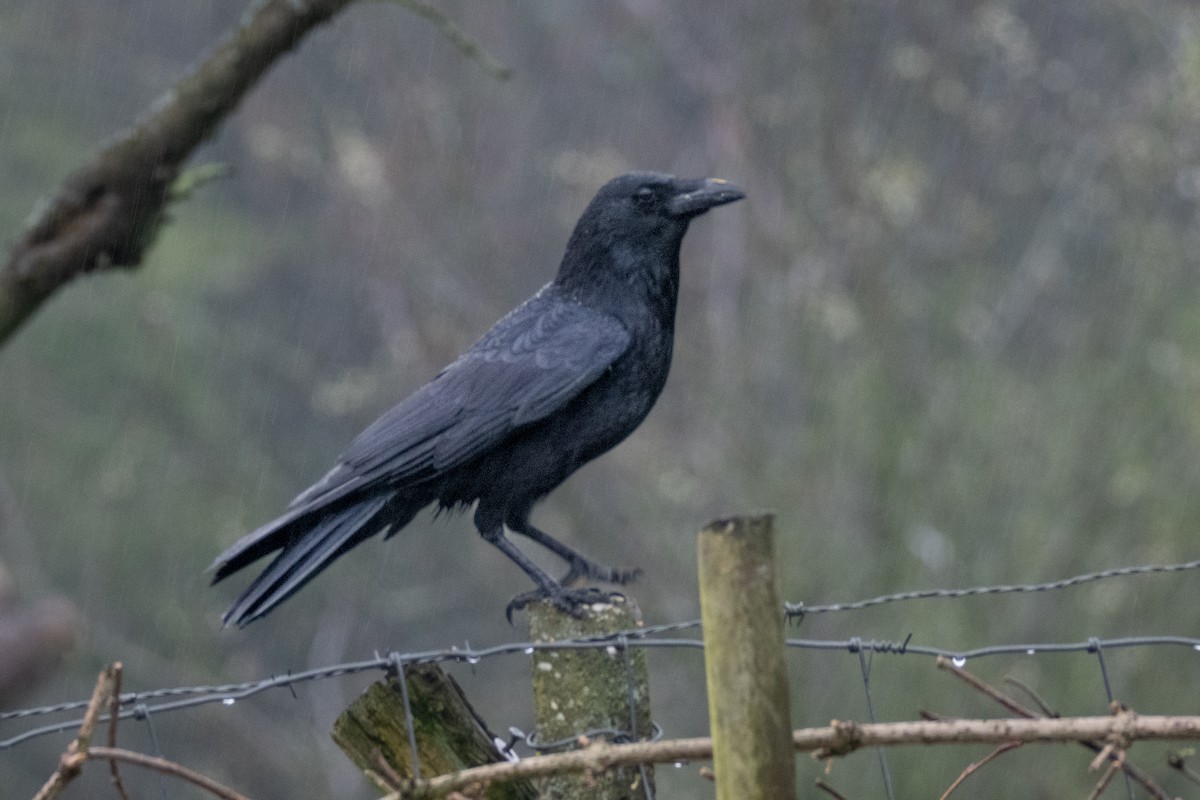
(106, 214)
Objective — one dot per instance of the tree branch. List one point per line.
(114, 717)
(454, 34)
(114, 754)
(838, 739)
(106, 214)
(977, 683)
(71, 762)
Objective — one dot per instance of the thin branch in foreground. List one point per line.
(1113, 768)
(984, 688)
(1144, 780)
(465, 44)
(1178, 761)
(70, 764)
(114, 716)
(1043, 706)
(838, 739)
(975, 765)
(80, 750)
(167, 768)
(829, 790)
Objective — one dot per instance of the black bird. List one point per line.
(561, 379)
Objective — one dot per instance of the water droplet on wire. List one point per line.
(958, 661)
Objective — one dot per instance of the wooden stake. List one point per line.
(575, 691)
(450, 736)
(748, 702)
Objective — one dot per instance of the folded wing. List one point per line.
(531, 364)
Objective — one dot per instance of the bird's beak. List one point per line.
(696, 197)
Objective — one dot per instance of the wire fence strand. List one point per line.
(142, 705)
(799, 610)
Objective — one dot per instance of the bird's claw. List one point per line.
(581, 568)
(568, 601)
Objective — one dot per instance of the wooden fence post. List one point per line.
(449, 735)
(594, 688)
(748, 702)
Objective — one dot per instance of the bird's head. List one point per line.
(639, 217)
(650, 199)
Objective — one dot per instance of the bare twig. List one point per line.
(114, 709)
(1148, 783)
(1178, 760)
(167, 768)
(829, 790)
(108, 693)
(975, 765)
(1113, 768)
(71, 762)
(391, 779)
(465, 44)
(984, 688)
(1043, 706)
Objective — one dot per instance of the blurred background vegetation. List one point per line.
(952, 338)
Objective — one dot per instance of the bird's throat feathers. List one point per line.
(605, 272)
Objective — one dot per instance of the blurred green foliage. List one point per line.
(952, 338)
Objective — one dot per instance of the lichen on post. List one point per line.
(449, 734)
(589, 689)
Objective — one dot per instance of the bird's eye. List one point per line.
(644, 195)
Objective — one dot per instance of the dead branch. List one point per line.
(114, 716)
(71, 762)
(829, 790)
(1113, 768)
(985, 688)
(454, 34)
(975, 765)
(105, 215)
(167, 768)
(80, 750)
(1149, 784)
(838, 739)
(845, 737)
(1178, 761)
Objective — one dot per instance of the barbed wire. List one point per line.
(801, 609)
(141, 705)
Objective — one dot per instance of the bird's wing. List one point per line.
(530, 365)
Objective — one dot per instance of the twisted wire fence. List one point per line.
(684, 634)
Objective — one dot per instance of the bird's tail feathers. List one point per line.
(301, 558)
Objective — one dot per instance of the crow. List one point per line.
(562, 378)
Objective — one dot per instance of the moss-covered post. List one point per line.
(449, 735)
(748, 703)
(575, 691)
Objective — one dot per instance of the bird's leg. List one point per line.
(580, 565)
(570, 602)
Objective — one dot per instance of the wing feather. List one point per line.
(526, 368)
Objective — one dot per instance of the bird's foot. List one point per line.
(586, 570)
(569, 601)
